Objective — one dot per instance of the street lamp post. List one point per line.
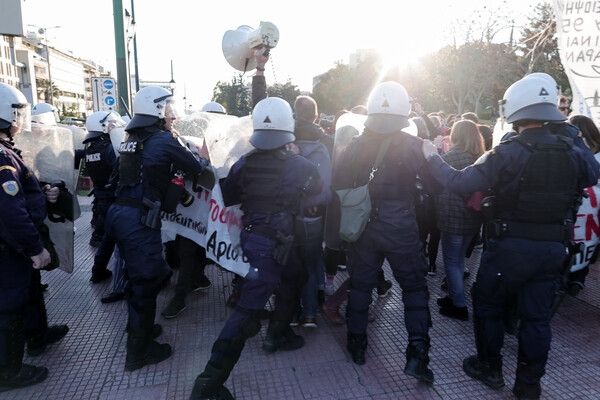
(44, 30)
(172, 81)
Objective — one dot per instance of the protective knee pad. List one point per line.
(359, 300)
(416, 306)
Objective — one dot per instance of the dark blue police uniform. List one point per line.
(269, 186)
(22, 212)
(145, 164)
(100, 160)
(391, 232)
(522, 259)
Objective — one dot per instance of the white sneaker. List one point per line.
(329, 289)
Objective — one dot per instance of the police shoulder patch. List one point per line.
(10, 187)
(8, 167)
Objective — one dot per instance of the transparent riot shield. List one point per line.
(49, 152)
(207, 221)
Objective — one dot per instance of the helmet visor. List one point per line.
(173, 110)
(112, 120)
(22, 116)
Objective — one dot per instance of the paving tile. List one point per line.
(88, 363)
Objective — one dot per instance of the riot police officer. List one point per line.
(536, 177)
(45, 114)
(269, 182)
(22, 255)
(100, 160)
(391, 232)
(134, 219)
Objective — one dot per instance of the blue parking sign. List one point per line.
(109, 100)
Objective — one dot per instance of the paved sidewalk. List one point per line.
(88, 363)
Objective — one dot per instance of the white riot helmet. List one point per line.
(102, 122)
(14, 109)
(149, 106)
(388, 108)
(214, 107)
(273, 124)
(543, 75)
(44, 113)
(531, 98)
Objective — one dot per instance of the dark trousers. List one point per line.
(525, 270)
(141, 248)
(107, 245)
(22, 307)
(287, 280)
(102, 202)
(191, 266)
(365, 258)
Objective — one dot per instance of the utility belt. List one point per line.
(524, 230)
(151, 215)
(283, 243)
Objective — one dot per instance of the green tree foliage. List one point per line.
(234, 96)
(43, 88)
(288, 91)
(344, 87)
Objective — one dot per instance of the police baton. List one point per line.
(125, 106)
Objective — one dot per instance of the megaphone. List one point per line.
(239, 45)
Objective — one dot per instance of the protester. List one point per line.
(588, 210)
(458, 223)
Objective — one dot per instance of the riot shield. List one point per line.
(500, 129)
(49, 152)
(117, 136)
(78, 135)
(207, 221)
(347, 127)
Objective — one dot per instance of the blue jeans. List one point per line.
(311, 255)
(454, 248)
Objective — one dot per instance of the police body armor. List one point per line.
(392, 181)
(262, 184)
(95, 163)
(543, 208)
(155, 179)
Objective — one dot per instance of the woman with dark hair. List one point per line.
(458, 223)
(588, 212)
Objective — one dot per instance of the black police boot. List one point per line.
(142, 350)
(37, 344)
(14, 374)
(483, 371)
(99, 274)
(527, 373)
(357, 345)
(417, 360)
(525, 391)
(280, 336)
(209, 384)
(156, 330)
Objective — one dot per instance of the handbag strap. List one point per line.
(382, 150)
